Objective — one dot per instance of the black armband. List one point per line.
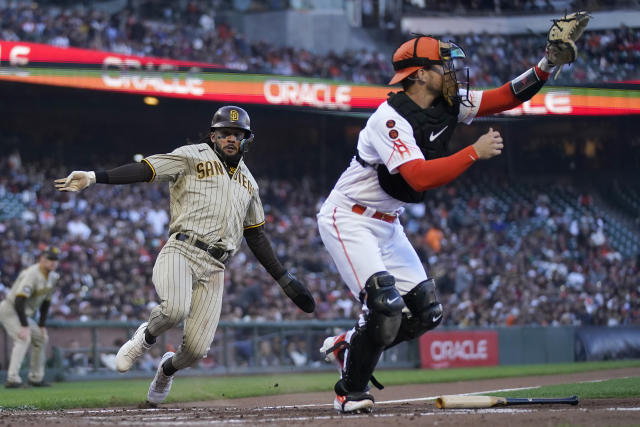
(44, 311)
(19, 307)
(126, 174)
(526, 85)
(261, 247)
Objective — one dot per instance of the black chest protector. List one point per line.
(432, 129)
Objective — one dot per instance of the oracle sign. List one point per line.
(320, 95)
(127, 73)
(551, 102)
(458, 349)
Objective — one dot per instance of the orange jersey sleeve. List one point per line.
(502, 98)
(424, 175)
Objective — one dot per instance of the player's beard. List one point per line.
(230, 160)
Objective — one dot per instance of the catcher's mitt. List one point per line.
(561, 47)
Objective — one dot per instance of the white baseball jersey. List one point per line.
(359, 244)
(378, 144)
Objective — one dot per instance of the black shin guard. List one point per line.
(381, 325)
(425, 312)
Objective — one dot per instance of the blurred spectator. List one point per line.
(525, 257)
(189, 31)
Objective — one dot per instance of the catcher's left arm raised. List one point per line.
(560, 49)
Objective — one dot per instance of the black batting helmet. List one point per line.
(231, 116)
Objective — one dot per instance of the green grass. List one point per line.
(615, 388)
(91, 394)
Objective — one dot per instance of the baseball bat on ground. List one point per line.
(469, 402)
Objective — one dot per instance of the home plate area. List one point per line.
(407, 405)
(589, 413)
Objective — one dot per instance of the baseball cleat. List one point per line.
(333, 350)
(39, 384)
(354, 403)
(161, 384)
(132, 350)
(11, 384)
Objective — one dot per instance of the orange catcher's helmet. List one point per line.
(421, 52)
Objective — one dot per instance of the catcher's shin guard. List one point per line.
(381, 324)
(425, 312)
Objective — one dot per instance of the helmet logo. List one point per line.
(234, 115)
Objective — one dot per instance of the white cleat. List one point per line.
(354, 403)
(161, 384)
(132, 350)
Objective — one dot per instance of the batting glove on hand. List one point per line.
(297, 292)
(76, 181)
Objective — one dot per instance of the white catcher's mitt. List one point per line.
(561, 47)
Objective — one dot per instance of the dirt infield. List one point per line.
(410, 405)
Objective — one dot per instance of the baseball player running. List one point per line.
(214, 202)
(31, 292)
(402, 152)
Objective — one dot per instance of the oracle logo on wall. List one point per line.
(320, 95)
(96, 70)
(459, 349)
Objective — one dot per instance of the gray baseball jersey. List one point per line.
(205, 201)
(208, 204)
(36, 288)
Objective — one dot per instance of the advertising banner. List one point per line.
(148, 76)
(458, 349)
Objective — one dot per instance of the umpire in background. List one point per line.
(31, 291)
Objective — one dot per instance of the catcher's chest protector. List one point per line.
(432, 129)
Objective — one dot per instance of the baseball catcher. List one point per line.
(404, 151)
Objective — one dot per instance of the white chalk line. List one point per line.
(205, 421)
(172, 419)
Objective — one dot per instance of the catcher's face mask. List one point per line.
(449, 54)
(424, 52)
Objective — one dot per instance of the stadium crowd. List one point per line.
(527, 261)
(192, 32)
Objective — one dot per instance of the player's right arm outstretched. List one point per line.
(126, 174)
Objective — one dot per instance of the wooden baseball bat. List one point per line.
(469, 402)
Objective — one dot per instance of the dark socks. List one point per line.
(150, 339)
(167, 367)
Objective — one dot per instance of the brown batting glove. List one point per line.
(297, 292)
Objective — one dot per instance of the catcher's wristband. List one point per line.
(526, 85)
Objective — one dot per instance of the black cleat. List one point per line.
(39, 384)
(10, 384)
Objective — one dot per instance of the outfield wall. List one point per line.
(85, 350)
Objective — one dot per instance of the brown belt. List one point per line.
(360, 210)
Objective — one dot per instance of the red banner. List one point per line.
(24, 53)
(96, 70)
(458, 349)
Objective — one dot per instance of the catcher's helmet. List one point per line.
(231, 116)
(421, 52)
